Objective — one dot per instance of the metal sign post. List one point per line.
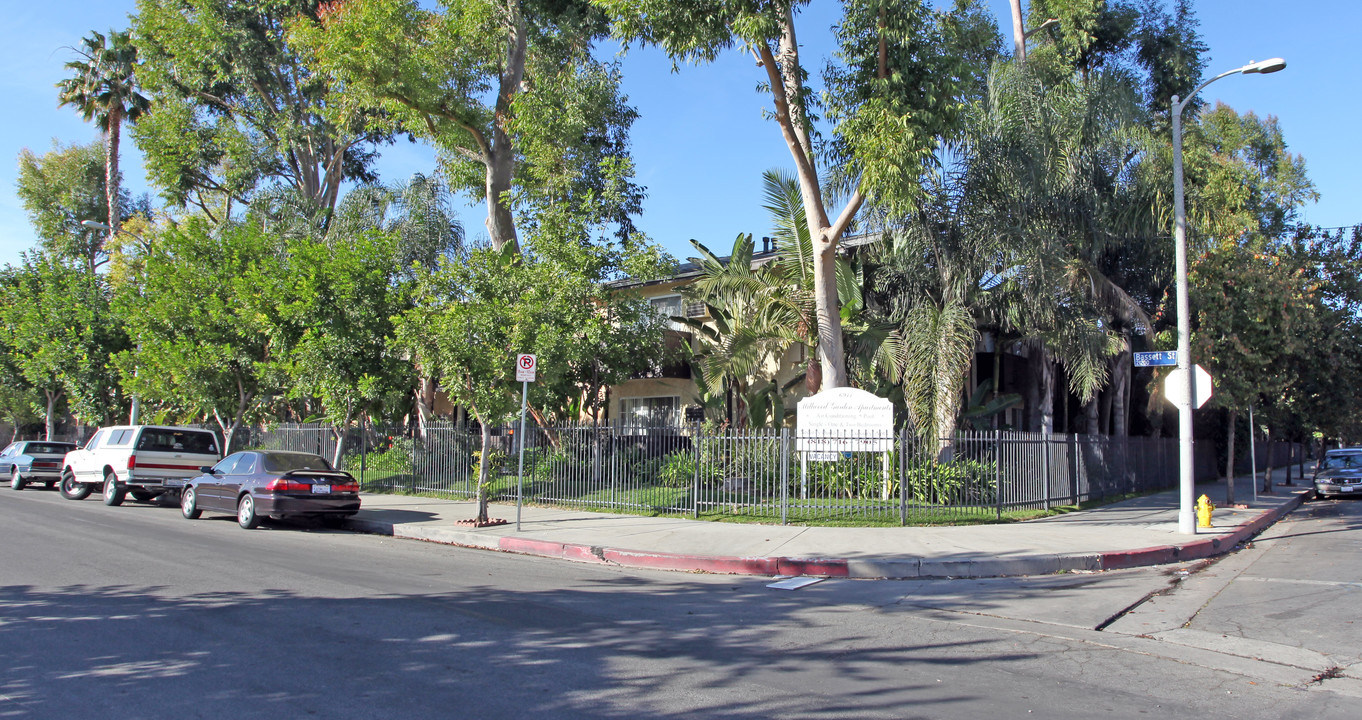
(525, 366)
(1253, 456)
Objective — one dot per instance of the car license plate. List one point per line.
(1347, 488)
(321, 489)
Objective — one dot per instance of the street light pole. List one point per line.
(1186, 479)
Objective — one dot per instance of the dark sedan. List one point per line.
(1340, 474)
(272, 483)
(29, 461)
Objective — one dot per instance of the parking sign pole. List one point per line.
(520, 474)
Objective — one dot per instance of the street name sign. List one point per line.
(1161, 358)
(525, 366)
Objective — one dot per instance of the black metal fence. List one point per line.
(766, 475)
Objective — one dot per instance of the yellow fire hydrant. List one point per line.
(1203, 511)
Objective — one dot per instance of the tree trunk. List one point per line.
(425, 402)
(1046, 369)
(1018, 32)
(484, 471)
(111, 173)
(813, 372)
(51, 408)
(1229, 459)
(500, 157)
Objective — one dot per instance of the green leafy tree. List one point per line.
(238, 109)
(1256, 315)
(104, 87)
(509, 93)
(61, 334)
(891, 92)
(420, 213)
(194, 314)
(337, 300)
(471, 317)
(61, 189)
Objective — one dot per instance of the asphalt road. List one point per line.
(134, 612)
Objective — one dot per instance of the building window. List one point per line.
(651, 411)
(669, 306)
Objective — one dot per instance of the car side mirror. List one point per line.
(206, 469)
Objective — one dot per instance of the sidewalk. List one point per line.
(1133, 533)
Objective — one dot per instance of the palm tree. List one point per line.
(1056, 171)
(103, 88)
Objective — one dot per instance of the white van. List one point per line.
(144, 460)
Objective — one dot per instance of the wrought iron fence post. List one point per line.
(614, 458)
(1073, 460)
(784, 475)
(903, 476)
(1045, 469)
(695, 485)
(998, 470)
(363, 448)
(1074, 488)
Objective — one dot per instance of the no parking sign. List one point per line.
(525, 366)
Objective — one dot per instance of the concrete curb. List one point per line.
(890, 568)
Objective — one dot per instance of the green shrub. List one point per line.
(679, 471)
(963, 482)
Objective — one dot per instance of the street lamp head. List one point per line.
(1264, 67)
(95, 224)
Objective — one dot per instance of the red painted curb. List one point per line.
(545, 548)
(724, 565)
(1197, 549)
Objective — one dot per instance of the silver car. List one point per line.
(1340, 473)
(34, 461)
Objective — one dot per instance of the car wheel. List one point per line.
(333, 522)
(113, 492)
(189, 504)
(72, 490)
(245, 513)
(141, 495)
(16, 480)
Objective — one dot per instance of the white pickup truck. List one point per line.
(144, 460)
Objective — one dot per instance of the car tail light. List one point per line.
(282, 485)
(345, 487)
(132, 462)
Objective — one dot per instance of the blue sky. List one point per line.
(701, 143)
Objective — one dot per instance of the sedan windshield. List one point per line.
(288, 462)
(1351, 461)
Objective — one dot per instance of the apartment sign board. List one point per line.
(525, 366)
(843, 420)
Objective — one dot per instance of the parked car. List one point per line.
(34, 461)
(273, 483)
(144, 460)
(1339, 474)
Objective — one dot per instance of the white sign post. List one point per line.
(525, 366)
(842, 420)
